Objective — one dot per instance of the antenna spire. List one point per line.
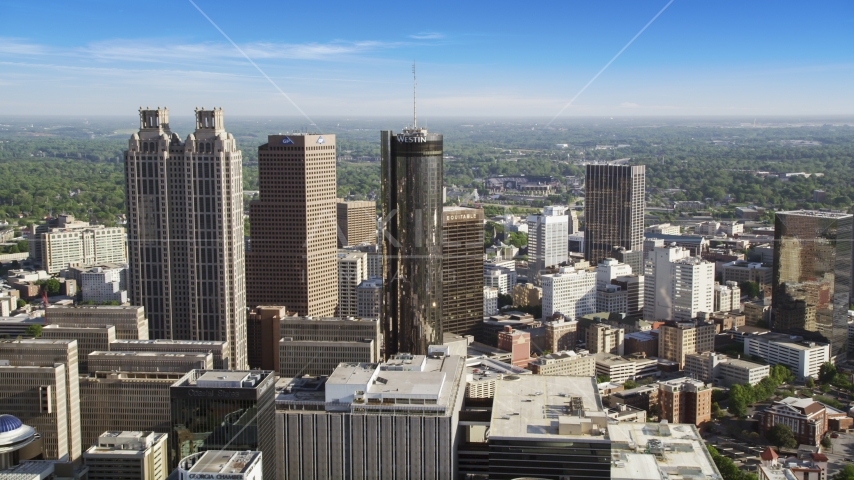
(414, 98)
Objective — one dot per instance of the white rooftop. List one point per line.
(530, 406)
(675, 451)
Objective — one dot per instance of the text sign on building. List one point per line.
(462, 216)
(406, 139)
(287, 141)
(216, 476)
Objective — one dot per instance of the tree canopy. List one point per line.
(781, 436)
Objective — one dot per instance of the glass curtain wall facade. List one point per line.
(223, 418)
(613, 209)
(412, 234)
(812, 275)
(509, 459)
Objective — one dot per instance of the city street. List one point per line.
(841, 453)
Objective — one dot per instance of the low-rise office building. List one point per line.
(89, 339)
(217, 348)
(723, 371)
(130, 321)
(224, 464)
(619, 368)
(397, 419)
(802, 357)
(741, 271)
(603, 338)
(527, 295)
(134, 455)
(564, 363)
(645, 343)
(317, 357)
(644, 397)
(221, 410)
(676, 340)
(104, 284)
(483, 373)
(545, 426)
(124, 401)
(149, 362)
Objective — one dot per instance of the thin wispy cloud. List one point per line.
(427, 36)
(161, 50)
(17, 46)
(150, 50)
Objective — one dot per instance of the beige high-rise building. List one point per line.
(133, 454)
(130, 322)
(89, 339)
(185, 230)
(605, 339)
(218, 349)
(676, 340)
(84, 247)
(38, 397)
(357, 222)
(352, 270)
(134, 401)
(293, 226)
(48, 353)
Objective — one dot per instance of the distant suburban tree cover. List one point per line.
(51, 166)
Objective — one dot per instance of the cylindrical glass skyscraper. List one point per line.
(412, 235)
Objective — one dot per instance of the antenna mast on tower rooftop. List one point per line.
(414, 98)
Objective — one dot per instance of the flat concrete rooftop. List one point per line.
(528, 407)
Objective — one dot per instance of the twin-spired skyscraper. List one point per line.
(185, 230)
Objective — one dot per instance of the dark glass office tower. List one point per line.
(613, 209)
(224, 410)
(412, 236)
(811, 280)
(462, 270)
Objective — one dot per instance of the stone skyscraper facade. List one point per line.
(613, 209)
(411, 164)
(185, 231)
(293, 259)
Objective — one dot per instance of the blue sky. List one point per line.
(474, 58)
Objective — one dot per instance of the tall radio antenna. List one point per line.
(414, 98)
